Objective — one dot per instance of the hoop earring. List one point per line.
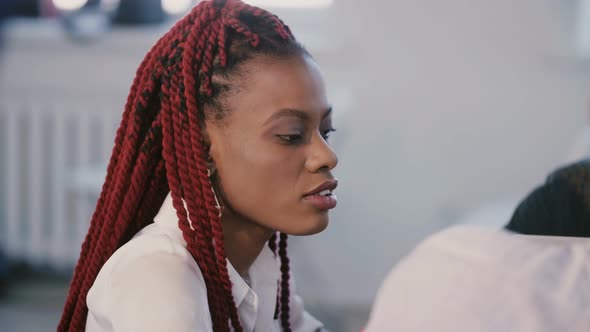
(217, 205)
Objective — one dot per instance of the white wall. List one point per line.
(455, 104)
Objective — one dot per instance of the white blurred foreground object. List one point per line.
(291, 3)
(69, 5)
(471, 278)
(176, 7)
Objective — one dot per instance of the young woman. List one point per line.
(222, 151)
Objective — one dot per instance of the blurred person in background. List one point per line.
(221, 153)
(559, 207)
(475, 278)
(480, 279)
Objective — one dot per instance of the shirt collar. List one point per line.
(264, 271)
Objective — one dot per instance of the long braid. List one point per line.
(113, 176)
(89, 242)
(115, 225)
(285, 276)
(282, 305)
(76, 305)
(94, 262)
(159, 148)
(214, 216)
(190, 180)
(154, 197)
(215, 293)
(272, 244)
(192, 140)
(190, 61)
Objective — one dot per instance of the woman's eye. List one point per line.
(291, 139)
(326, 133)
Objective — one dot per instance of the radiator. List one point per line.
(53, 164)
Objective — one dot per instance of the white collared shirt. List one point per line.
(478, 279)
(152, 283)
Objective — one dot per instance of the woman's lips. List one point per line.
(324, 200)
(327, 185)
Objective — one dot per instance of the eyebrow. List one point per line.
(291, 112)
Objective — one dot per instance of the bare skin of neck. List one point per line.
(243, 240)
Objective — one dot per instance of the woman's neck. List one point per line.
(243, 240)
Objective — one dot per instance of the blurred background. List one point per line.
(447, 112)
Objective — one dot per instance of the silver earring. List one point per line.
(217, 205)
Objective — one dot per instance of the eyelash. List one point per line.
(296, 139)
(290, 139)
(326, 133)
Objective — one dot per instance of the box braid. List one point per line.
(159, 149)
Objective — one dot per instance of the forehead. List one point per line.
(268, 85)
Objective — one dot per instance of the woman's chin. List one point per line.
(311, 226)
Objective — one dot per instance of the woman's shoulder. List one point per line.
(151, 277)
(154, 247)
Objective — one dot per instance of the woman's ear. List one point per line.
(211, 165)
(208, 147)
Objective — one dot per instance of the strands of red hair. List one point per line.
(159, 149)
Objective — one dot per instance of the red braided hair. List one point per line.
(159, 149)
